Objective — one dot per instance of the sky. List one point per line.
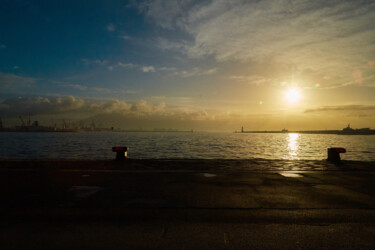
(204, 65)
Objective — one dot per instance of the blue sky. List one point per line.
(201, 63)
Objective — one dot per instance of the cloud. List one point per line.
(144, 114)
(127, 65)
(111, 67)
(147, 69)
(195, 72)
(99, 62)
(75, 86)
(70, 106)
(167, 14)
(103, 90)
(40, 105)
(126, 38)
(3, 46)
(331, 38)
(167, 44)
(88, 89)
(341, 108)
(14, 83)
(167, 69)
(122, 65)
(111, 27)
(252, 79)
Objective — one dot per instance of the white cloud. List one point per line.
(147, 69)
(195, 72)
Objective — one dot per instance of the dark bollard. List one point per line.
(121, 152)
(334, 154)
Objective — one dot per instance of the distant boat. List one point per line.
(345, 131)
(361, 131)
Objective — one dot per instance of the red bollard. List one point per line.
(334, 154)
(121, 152)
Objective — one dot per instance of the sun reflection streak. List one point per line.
(293, 146)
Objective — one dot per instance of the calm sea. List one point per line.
(197, 145)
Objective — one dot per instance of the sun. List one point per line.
(292, 95)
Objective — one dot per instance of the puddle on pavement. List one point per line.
(291, 175)
(208, 175)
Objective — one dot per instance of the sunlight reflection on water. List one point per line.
(293, 146)
(197, 145)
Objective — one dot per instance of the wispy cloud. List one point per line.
(3, 46)
(14, 83)
(341, 108)
(40, 105)
(94, 62)
(126, 38)
(167, 44)
(111, 27)
(148, 69)
(167, 14)
(252, 79)
(195, 72)
(113, 66)
(97, 89)
(167, 69)
(69, 104)
(333, 39)
(75, 86)
(127, 65)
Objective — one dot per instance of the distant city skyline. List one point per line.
(202, 65)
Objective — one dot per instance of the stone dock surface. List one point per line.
(187, 204)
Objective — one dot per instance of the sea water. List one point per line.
(174, 145)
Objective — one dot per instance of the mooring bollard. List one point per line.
(334, 154)
(121, 152)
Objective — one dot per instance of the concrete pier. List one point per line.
(187, 204)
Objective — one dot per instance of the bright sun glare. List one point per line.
(292, 95)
